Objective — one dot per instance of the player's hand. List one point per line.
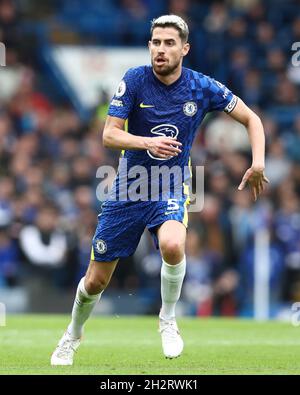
(163, 147)
(255, 178)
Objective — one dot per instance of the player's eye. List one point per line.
(155, 42)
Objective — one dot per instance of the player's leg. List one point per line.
(171, 236)
(119, 229)
(88, 294)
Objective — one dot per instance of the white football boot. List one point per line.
(172, 342)
(64, 352)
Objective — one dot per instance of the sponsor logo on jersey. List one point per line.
(230, 106)
(142, 105)
(165, 130)
(117, 103)
(190, 108)
(101, 246)
(121, 89)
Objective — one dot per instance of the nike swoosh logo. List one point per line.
(170, 212)
(142, 105)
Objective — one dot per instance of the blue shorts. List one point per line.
(122, 223)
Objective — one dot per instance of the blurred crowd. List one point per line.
(49, 156)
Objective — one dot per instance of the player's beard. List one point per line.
(165, 69)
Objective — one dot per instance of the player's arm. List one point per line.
(255, 174)
(115, 137)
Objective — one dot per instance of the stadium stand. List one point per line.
(49, 155)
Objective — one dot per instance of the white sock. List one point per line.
(82, 308)
(171, 282)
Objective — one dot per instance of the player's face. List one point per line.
(167, 50)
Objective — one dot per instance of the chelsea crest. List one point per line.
(101, 246)
(190, 108)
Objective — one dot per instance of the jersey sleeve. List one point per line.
(123, 100)
(220, 97)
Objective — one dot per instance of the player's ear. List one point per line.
(149, 44)
(185, 49)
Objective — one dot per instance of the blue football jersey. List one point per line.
(153, 108)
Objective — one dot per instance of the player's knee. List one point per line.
(94, 285)
(172, 251)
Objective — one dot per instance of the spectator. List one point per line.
(203, 267)
(9, 260)
(43, 245)
(277, 165)
(224, 135)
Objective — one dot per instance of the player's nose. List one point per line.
(161, 49)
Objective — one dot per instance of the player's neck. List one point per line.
(169, 79)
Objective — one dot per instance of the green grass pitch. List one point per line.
(131, 345)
